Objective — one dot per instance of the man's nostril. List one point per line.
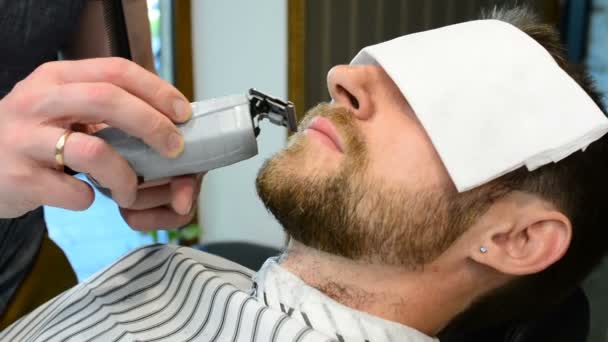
(351, 98)
(353, 101)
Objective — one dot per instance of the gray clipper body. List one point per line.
(221, 132)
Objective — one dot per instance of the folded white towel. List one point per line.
(490, 97)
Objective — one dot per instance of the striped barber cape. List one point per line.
(171, 293)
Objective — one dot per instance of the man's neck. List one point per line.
(425, 300)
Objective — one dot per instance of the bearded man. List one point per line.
(406, 204)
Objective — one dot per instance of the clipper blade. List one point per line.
(279, 112)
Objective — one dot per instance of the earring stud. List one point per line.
(483, 249)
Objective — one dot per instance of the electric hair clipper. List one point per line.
(221, 132)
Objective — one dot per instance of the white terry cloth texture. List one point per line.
(490, 98)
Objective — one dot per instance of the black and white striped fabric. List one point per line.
(168, 293)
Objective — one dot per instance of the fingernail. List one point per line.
(175, 143)
(189, 207)
(183, 110)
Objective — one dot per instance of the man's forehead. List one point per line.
(490, 97)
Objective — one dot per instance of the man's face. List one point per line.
(361, 178)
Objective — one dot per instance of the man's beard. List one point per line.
(351, 214)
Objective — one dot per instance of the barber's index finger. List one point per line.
(129, 76)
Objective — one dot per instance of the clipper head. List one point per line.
(279, 112)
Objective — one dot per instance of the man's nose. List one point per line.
(349, 86)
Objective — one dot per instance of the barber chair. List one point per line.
(568, 323)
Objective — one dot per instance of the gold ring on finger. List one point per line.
(59, 147)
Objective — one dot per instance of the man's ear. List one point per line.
(536, 238)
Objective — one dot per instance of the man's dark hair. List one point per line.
(577, 186)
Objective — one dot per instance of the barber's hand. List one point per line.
(164, 204)
(81, 95)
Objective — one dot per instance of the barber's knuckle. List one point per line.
(157, 125)
(164, 91)
(46, 68)
(20, 86)
(97, 96)
(25, 99)
(159, 91)
(22, 102)
(120, 62)
(115, 69)
(99, 93)
(93, 149)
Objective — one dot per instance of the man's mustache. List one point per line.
(341, 117)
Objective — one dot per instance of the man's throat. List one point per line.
(382, 291)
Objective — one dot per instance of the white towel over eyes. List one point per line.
(490, 98)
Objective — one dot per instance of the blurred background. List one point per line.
(212, 48)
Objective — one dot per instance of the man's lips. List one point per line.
(327, 130)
